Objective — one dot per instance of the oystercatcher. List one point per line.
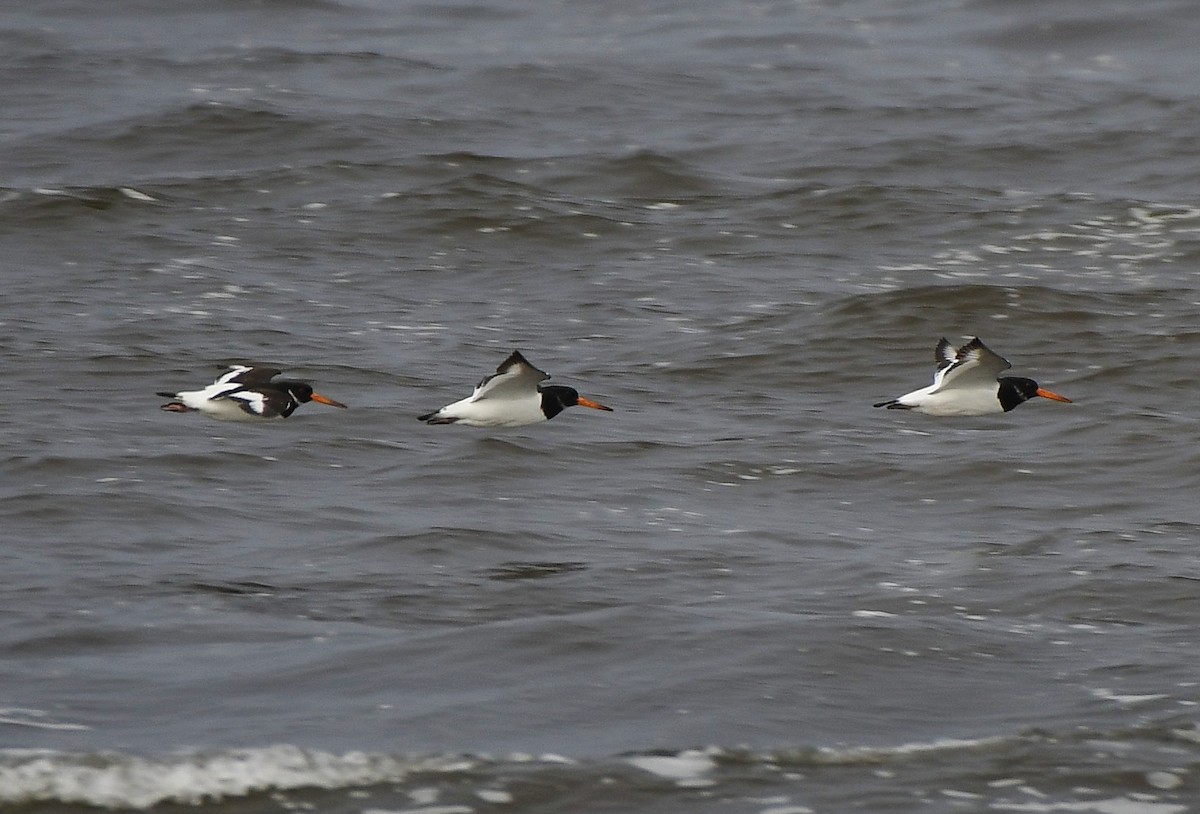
(247, 394)
(966, 383)
(511, 397)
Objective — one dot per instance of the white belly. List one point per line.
(954, 402)
(496, 412)
(222, 409)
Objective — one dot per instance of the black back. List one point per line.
(556, 398)
(1015, 391)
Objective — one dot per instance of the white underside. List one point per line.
(495, 412)
(956, 401)
(224, 409)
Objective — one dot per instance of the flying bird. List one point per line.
(247, 393)
(966, 383)
(512, 397)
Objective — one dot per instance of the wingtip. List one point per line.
(976, 346)
(515, 358)
(944, 353)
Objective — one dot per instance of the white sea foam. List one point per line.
(36, 718)
(686, 768)
(1112, 805)
(135, 194)
(121, 781)
(1106, 694)
(422, 810)
(868, 754)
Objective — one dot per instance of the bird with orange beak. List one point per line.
(966, 383)
(247, 394)
(511, 397)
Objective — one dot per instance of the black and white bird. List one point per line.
(512, 397)
(247, 394)
(966, 383)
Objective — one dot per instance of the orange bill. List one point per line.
(594, 405)
(1046, 394)
(323, 400)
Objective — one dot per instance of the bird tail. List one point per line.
(432, 418)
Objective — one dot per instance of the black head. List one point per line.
(1014, 390)
(302, 392)
(556, 398)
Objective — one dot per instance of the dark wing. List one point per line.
(944, 354)
(264, 403)
(248, 376)
(974, 362)
(514, 377)
(979, 353)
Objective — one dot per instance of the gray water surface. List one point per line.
(738, 224)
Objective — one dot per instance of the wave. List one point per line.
(114, 780)
(206, 778)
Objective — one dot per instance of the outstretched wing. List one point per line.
(515, 377)
(944, 354)
(974, 363)
(247, 375)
